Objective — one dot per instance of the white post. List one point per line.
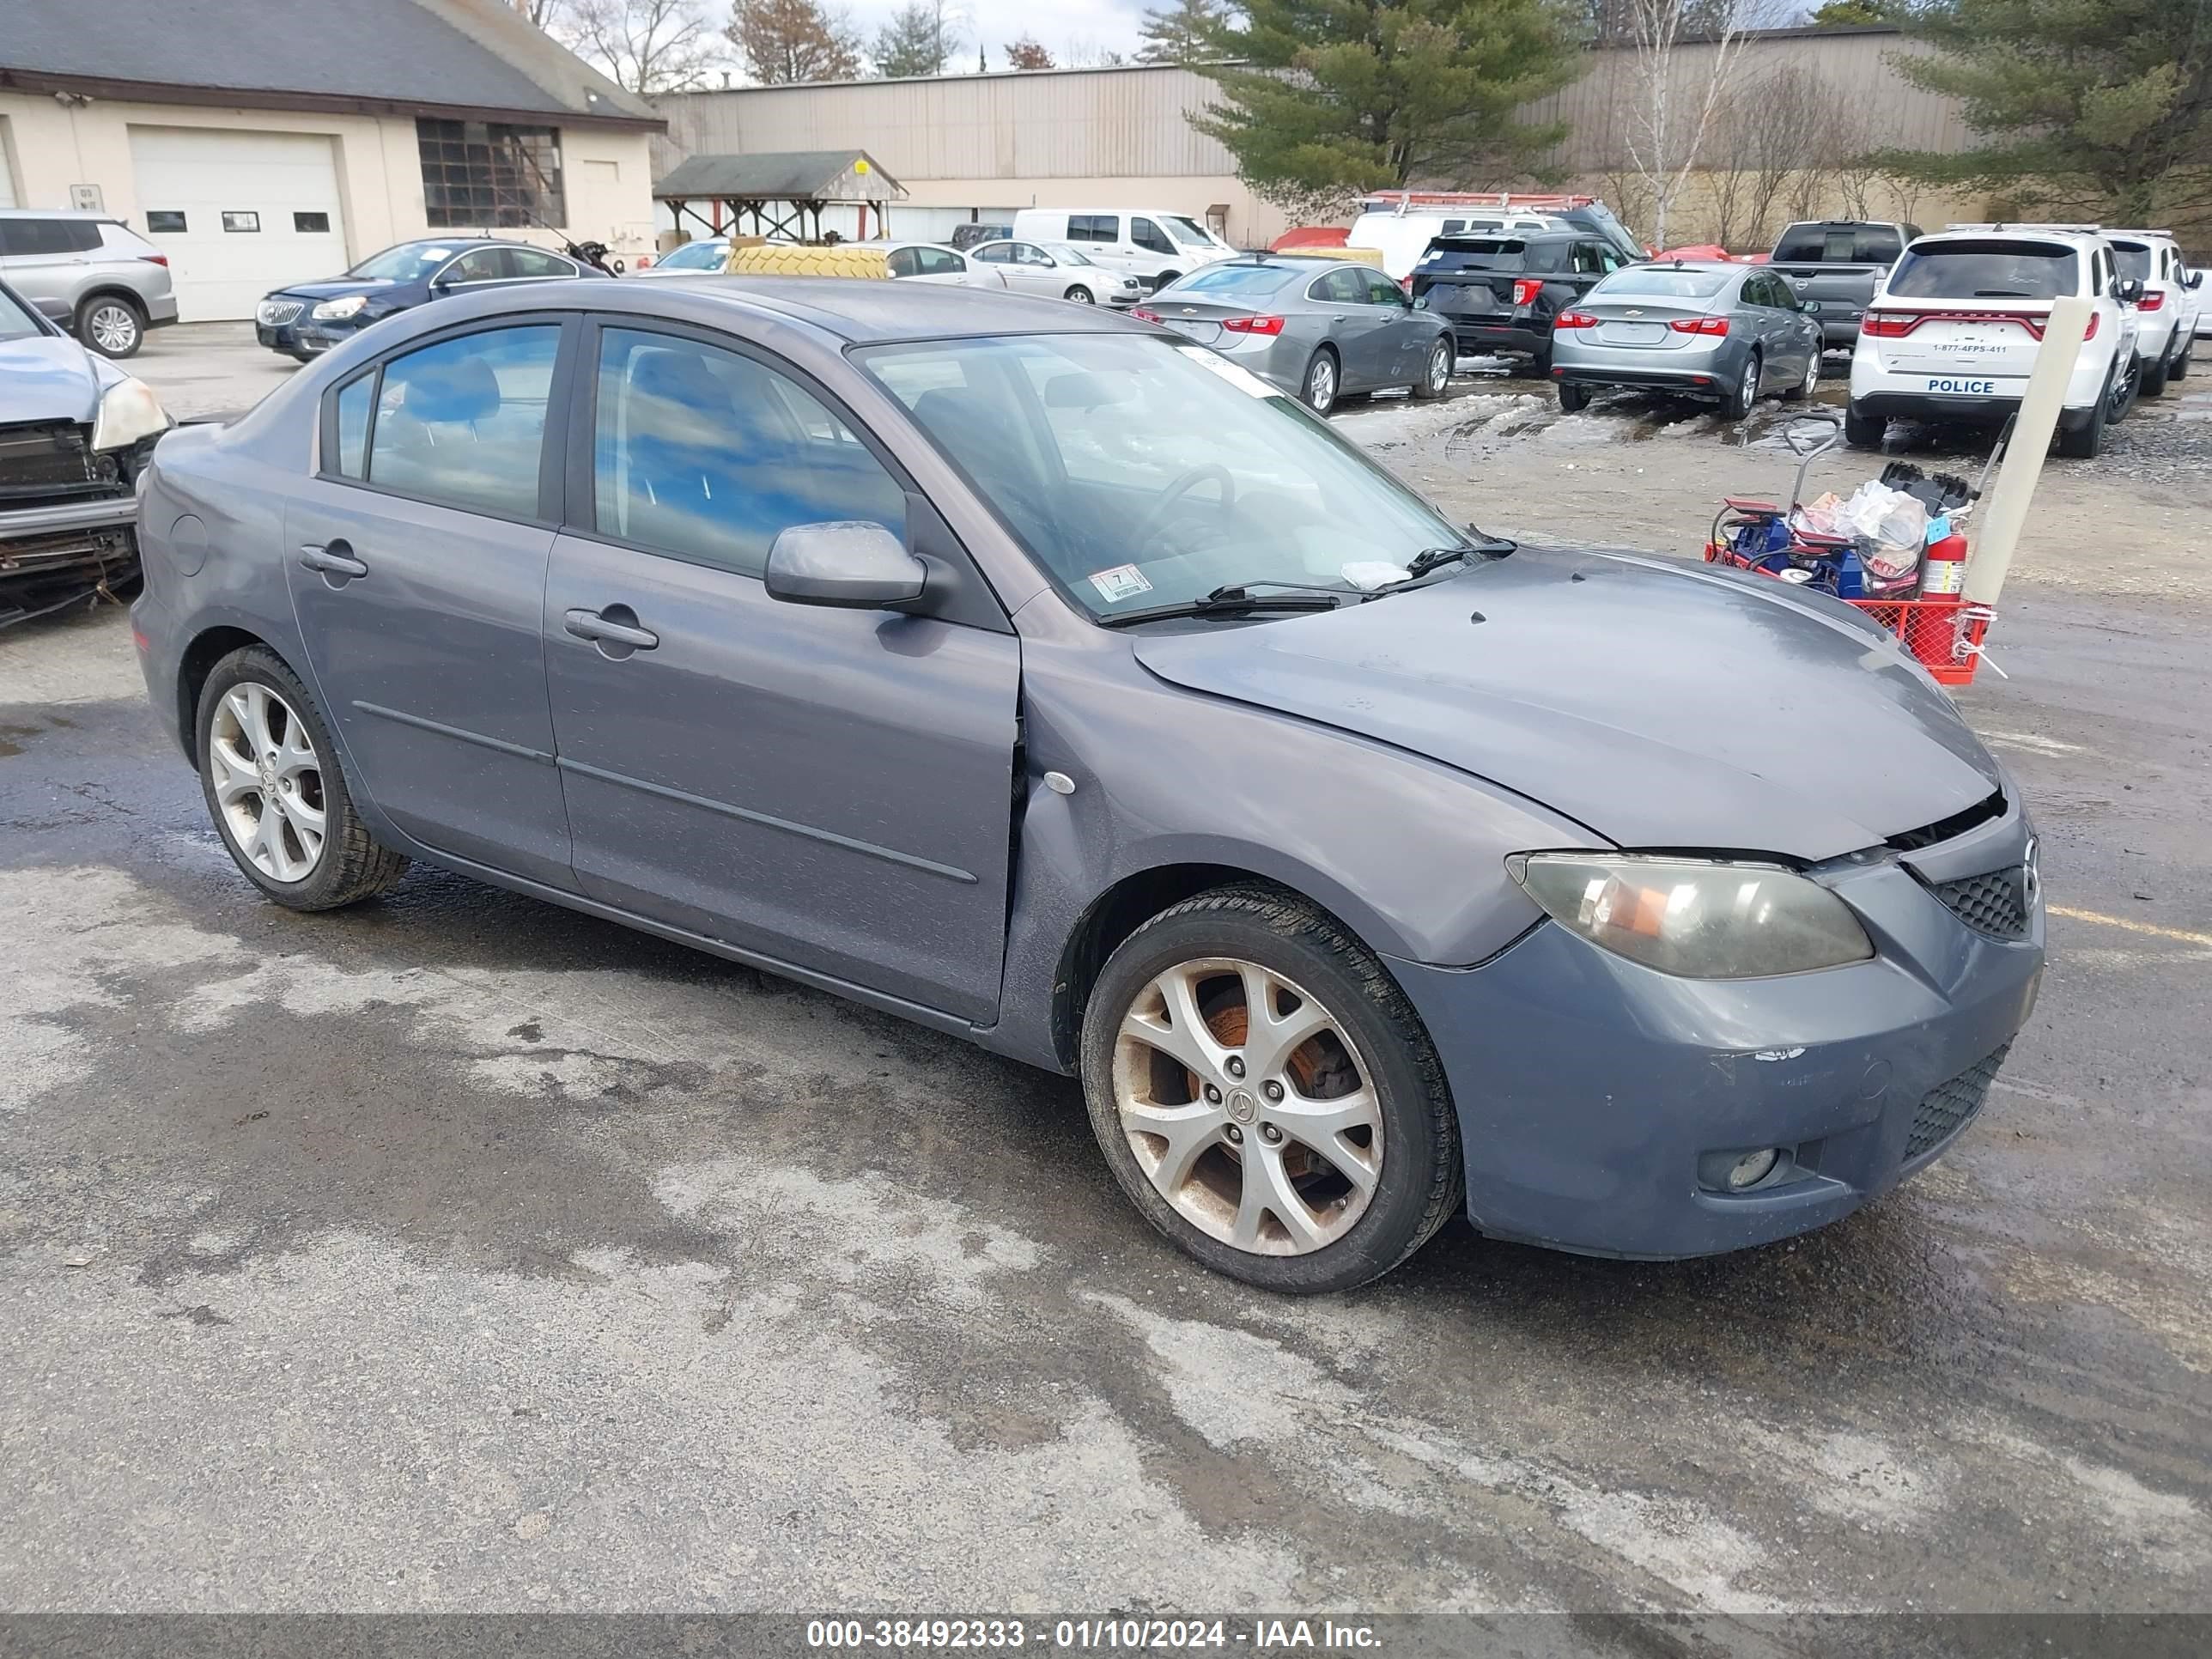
(2005, 510)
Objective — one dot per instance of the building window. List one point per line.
(483, 173)
(246, 221)
(157, 221)
(311, 224)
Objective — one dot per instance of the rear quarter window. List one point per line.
(1986, 270)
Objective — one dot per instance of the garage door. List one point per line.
(238, 213)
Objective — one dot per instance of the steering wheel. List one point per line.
(1181, 487)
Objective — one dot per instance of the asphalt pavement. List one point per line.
(462, 1252)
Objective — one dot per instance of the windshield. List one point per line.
(15, 318)
(1068, 254)
(1138, 472)
(696, 256)
(2133, 261)
(407, 263)
(1188, 230)
(1984, 270)
(1687, 283)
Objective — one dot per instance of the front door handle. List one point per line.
(617, 625)
(332, 559)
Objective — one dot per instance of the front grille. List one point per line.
(1949, 1106)
(275, 313)
(51, 462)
(1994, 903)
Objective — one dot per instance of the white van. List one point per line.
(1149, 243)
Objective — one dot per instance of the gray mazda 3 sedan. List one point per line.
(1025, 671)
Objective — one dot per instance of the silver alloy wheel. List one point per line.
(113, 327)
(268, 782)
(1750, 385)
(1247, 1106)
(1440, 368)
(1321, 383)
(1812, 375)
(1081, 295)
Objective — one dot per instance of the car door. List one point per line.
(829, 789)
(999, 256)
(416, 560)
(1359, 330)
(1410, 334)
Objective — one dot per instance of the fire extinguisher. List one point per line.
(1944, 569)
(1933, 635)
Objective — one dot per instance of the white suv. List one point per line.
(1954, 329)
(2171, 302)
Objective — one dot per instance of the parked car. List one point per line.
(1402, 224)
(1833, 265)
(74, 431)
(1501, 294)
(98, 278)
(1954, 329)
(305, 319)
(1015, 668)
(935, 264)
(1724, 333)
(966, 236)
(1318, 329)
(2172, 303)
(1151, 244)
(1056, 271)
(704, 258)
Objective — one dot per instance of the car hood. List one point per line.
(1660, 707)
(334, 288)
(47, 377)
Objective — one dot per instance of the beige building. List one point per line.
(981, 146)
(257, 148)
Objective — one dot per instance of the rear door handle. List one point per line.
(331, 560)
(615, 625)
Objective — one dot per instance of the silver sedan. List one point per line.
(1056, 271)
(1318, 329)
(1725, 333)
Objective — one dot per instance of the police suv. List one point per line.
(2170, 304)
(1952, 331)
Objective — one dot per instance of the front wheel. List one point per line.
(111, 325)
(1318, 389)
(273, 786)
(1079, 294)
(1266, 1095)
(1436, 379)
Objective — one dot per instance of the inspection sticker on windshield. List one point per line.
(1235, 373)
(1123, 581)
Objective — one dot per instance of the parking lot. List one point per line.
(461, 1251)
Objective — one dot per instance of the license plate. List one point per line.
(1952, 386)
(1632, 333)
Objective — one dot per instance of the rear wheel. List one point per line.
(1267, 1096)
(2180, 371)
(111, 325)
(1436, 377)
(1863, 431)
(1737, 401)
(2125, 389)
(2153, 381)
(1081, 295)
(1573, 398)
(1319, 388)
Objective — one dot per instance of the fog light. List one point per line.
(1752, 1169)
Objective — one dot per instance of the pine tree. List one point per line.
(1183, 33)
(919, 39)
(1321, 102)
(2097, 107)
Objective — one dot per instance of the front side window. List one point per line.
(484, 265)
(1381, 291)
(462, 422)
(1105, 455)
(708, 455)
(1340, 288)
(1149, 236)
(1974, 270)
(488, 173)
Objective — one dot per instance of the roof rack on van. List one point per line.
(1376, 200)
(2034, 224)
(2131, 230)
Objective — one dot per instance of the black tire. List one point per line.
(2179, 370)
(1863, 431)
(1573, 399)
(2152, 382)
(1539, 365)
(2087, 441)
(1737, 400)
(353, 866)
(2125, 392)
(1318, 398)
(112, 325)
(1434, 383)
(1422, 1178)
(1081, 295)
(1165, 278)
(1804, 387)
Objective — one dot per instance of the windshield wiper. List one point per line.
(1436, 558)
(1235, 600)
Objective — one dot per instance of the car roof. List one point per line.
(862, 311)
(99, 215)
(2072, 235)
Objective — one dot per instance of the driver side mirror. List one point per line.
(2194, 279)
(2128, 290)
(853, 565)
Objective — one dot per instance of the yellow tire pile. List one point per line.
(777, 259)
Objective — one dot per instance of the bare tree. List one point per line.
(1084, 52)
(1673, 97)
(543, 13)
(648, 47)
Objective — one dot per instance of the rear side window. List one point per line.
(1991, 269)
(1094, 227)
(462, 422)
(25, 237)
(707, 455)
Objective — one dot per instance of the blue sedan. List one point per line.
(306, 320)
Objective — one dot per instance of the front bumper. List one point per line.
(1596, 1097)
(304, 336)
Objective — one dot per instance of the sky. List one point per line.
(1100, 25)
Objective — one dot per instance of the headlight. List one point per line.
(334, 310)
(128, 410)
(1698, 918)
